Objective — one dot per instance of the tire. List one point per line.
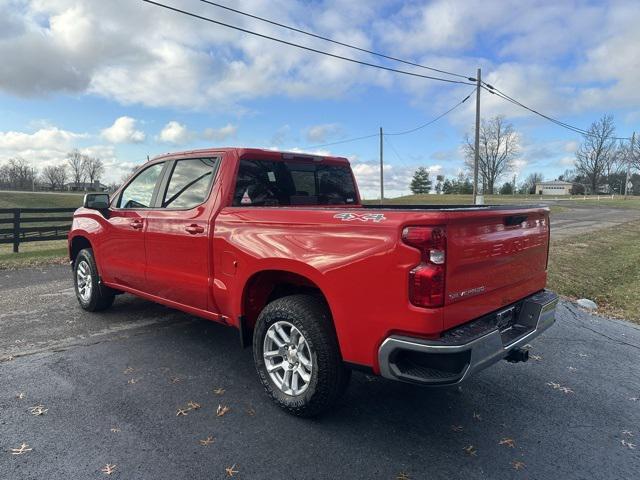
(317, 355)
(91, 294)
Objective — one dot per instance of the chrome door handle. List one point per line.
(193, 229)
(137, 224)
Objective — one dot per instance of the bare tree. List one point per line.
(499, 146)
(17, 174)
(94, 169)
(529, 184)
(55, 176)
(597, 152)
(78, 164)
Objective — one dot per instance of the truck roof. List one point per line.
(252, 152)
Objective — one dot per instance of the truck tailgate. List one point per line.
(494, 258)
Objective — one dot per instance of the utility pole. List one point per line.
(478, 199)
(381, 168)
(630, 157)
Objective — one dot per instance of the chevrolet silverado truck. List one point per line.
(280, 247)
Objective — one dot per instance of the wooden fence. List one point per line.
(20, 225)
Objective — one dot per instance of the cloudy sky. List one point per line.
(122, 79)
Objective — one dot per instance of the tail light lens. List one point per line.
(426, 280)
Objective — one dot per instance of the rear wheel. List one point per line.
(297, 356)
(91, 294)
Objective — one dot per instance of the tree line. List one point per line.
(78, 172)
(600, 166)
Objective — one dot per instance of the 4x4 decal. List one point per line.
(363, 217)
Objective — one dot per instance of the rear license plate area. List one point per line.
(505, 319)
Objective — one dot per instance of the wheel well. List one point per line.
(269, 285)
(77, 244)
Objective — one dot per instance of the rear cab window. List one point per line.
(291, 183)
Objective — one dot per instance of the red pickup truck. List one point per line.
(279, 246)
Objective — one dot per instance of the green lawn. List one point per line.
(603, 266)
(616, 202)
(38, 199)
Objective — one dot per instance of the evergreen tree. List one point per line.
(447, 187)
(420, 184)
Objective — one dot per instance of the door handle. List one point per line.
(193, 229)
(137, 224)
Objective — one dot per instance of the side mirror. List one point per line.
(97, 201)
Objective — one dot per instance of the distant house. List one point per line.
(96, 186)
(555, 187)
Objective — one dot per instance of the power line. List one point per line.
(336, 42)
(495, 91)
(344, 141)
(285, 42)
(433, 120)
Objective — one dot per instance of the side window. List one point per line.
(139, 193)
(190, 183)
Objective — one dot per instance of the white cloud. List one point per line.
(221, 134)
(175, 133)
(45, 138)
(321, 133)
(123, 130)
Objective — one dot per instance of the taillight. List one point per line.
(426, 280)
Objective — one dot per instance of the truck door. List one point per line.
(121, 252)
(178, 247)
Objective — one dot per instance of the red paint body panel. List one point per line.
(361, 267)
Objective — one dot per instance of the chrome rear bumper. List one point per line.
(469, 348)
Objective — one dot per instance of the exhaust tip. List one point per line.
(517, 355)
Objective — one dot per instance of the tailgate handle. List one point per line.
(513, 220)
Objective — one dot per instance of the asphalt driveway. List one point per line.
(110, 385)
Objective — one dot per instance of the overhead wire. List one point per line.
(336, 42)
(303, 47)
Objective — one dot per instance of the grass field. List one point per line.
(603, 266)
(39, 199)
(616, 202)
(36, 253)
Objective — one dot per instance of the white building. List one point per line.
(555, 187)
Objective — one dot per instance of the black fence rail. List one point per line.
(17, 225)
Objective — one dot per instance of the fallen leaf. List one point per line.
(222, 410)
(231, 470)
(634, 399)
(21, 450)
(629, 445)
(403, 476)
(572, 369)
(207, 441)
(537, 358)
(115, 430)
(38, 410)
(509, 442)
(20, 396)
(583, 355)
(182, 412)
(132, 381)
(518, 465)
(219, 391)
(193, 405)
(628, 433)
(175, 379)
(565, 390)
(251, 412)
(128, 370)
(477, 416)
(456, 428)
(470, 450)
(108, 469)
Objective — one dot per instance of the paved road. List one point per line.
(578, 220)
(74, 364)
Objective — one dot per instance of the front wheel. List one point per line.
(91, 294)
(297, 356)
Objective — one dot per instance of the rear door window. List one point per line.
(190, 183)
(268, 183)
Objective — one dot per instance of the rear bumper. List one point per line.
(469, 348)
